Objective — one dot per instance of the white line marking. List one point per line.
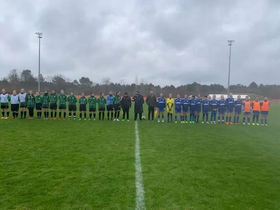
(140, 197)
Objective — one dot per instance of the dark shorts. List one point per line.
(53, 106)
(237, 111)
(185, 108)
(14, 107)
(22, 105)
(92, 109)
(39, 106)
(101, 109)
(110, 107)
(117, 107)
(4, 106)
(256, 112)
(230, 110)
(62, 106)
(264, 112)
(178, 111)
(247, 113)
(45, 106)
(72, 108)
(83, 107)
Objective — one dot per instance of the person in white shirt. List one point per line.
(4, 100)
(14, 104)
(22, 101)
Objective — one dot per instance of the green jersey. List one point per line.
(38, 99)
(30, 101)
(62, 99)
(117, 99)
(83, 100)
(46, 99)
(72, 100)
(92, 101)
(101, 102)
(53, 98)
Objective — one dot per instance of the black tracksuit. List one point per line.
(125, 104)
(138, 106)
(152, 103)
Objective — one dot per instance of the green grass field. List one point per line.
(91, 165)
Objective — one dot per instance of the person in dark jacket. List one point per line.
(138, 105)
(125, 104)
(152, 103)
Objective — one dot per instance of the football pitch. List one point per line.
(93, 165)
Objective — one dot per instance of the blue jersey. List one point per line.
(238, 106)
(192, 105)
(110, 99)
(214, 105)
(161, 104)
(198, 103)
(178, 105)
(205, 105)
(222, 106)
(186, 104)
(230, 104)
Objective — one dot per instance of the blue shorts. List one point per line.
(264, 112)
(256, 112)
(185, 108)
(230, 109)
(192, 111)
(247, 113)
(178, 111)
(160, 109)
(222, 111)
(237, 111)
(205, 111)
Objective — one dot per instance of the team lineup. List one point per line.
(187, 109)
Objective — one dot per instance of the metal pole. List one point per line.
(39, 66)
(229, 63)
(39, 34)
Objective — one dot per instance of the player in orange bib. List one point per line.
(247, 107)
(265, 106)
(256, 105)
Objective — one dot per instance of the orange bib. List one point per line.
(247, 106)
(257, 106)
(265, 106)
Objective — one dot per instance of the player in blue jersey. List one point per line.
(237, 109)
(230, 105)
(213, 108)
(110, 105)
(185, 104)
(198, 102)
(222, 109)
(192, 109)
(178, 108)
(205, 109)
(161, 103)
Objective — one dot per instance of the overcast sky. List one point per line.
(159, 41)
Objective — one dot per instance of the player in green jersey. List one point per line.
(38, 104)
(117, 106)
(101, 101)
(92, 101)
(53, 105)
(72, 107)
(30, 103)
(46, 104)
(62, 99)
(83, 106)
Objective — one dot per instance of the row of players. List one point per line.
(222, 111)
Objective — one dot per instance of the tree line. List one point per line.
(25, 79)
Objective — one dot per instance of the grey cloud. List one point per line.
(164, 42)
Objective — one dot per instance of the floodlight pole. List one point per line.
(40, 35)
(229, 63)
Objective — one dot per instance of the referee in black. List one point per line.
(152, 103)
